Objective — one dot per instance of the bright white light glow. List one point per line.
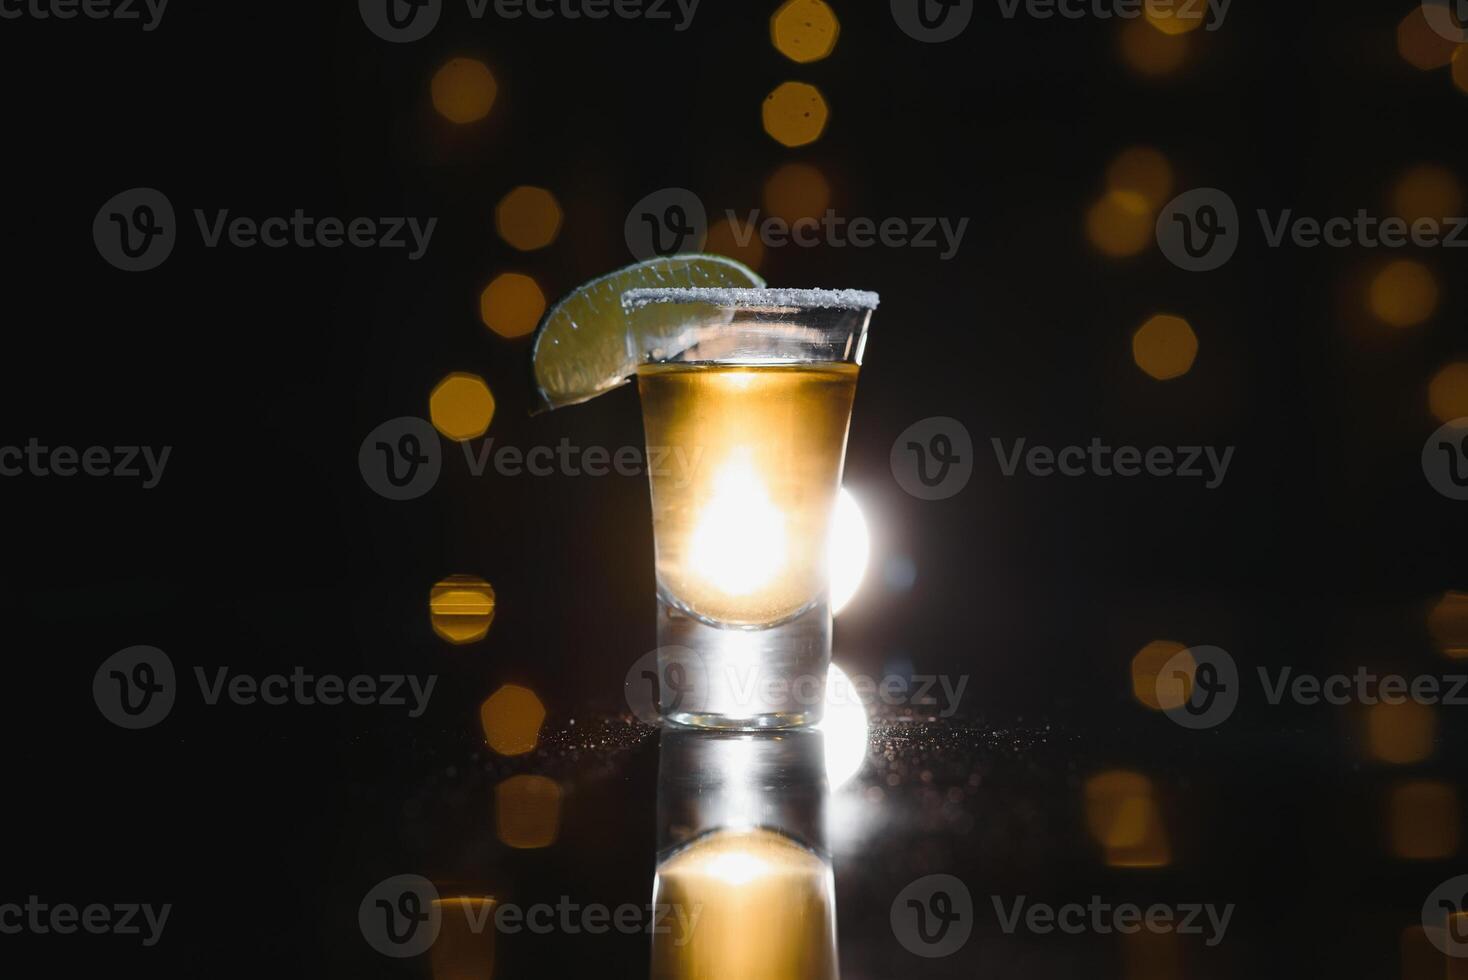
(845, 728)
(739, 544)
(735, 868)
(849, 549)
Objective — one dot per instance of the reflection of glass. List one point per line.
(765, 905)
(746, 397)
(742, 858)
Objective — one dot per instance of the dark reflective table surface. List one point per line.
(1048, 850)
(535, 839)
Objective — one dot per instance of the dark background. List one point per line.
(262, 548)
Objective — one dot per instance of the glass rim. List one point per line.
(753, 299)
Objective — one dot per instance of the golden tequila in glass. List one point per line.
(742, 503)
(746, 396)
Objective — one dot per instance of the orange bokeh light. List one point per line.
(1165, 347)
(795, 114)
(463, 90)
(1120, 224)
(461, 406)
(512, 304)
(528, 218)
(804, 30)
(461, 608)
(1404, 293)
(511, 718)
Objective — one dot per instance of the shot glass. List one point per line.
(746, 400)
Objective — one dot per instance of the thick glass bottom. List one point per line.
(743, 679)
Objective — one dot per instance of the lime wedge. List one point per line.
(582, 346)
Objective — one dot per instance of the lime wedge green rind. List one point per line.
(582, 347)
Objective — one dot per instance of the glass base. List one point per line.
(743, 679)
